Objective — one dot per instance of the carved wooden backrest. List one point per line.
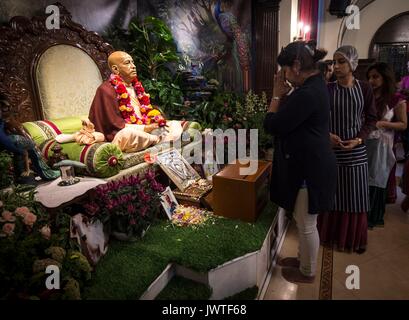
(35, 62)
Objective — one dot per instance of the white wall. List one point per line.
(371, 18)
(284, 33)
(329, 31)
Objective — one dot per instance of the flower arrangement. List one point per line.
(185, 215)
(148, 114)
(29, 243)
(129, 205)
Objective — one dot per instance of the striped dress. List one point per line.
(347, 109)
(353, 114)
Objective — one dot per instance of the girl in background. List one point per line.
(391, 114)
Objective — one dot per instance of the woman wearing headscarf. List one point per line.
(353, 117)
(304, 168)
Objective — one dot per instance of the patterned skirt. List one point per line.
(346, 226)
(352, 193)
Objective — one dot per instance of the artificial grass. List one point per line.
(129, 268)
(180, 288)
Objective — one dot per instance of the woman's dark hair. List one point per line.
(389, 83)
(398, 77)
(322, 67)
(305, 52)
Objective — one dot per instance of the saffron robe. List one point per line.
(106, 117)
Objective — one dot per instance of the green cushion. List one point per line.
(193, 128)
(43, 130)
(102, 159)
(69, 124)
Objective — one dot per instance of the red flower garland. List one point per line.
(149, 115)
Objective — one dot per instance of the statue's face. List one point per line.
(125, 67)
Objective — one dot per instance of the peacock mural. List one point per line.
(228, 23)
(213, 36)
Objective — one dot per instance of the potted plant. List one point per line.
(128, 206)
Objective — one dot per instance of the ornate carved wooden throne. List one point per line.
(34, 60)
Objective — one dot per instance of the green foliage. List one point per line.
(72, 290)
(166, 93)
(218, 112)
(230, 110)
(29, 242)
(77, 266)
(153, 46)
(251, 113)
(154, 52)
(6, 176)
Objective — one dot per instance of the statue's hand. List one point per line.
(150, 127)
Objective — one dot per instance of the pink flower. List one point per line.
(143, 211)
(156, 186)
(8, 228)
(46, 232)
(7, 216)
(29, 219)
(134, 180)
(91, 208)
(132, 221)
(143, 196)
(150, 175)
(22, 211)
(131, 208)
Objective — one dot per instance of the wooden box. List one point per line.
(241, 196)
(194, 193)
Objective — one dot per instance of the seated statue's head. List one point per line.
(122, 64)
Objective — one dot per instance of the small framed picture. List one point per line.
(177, 168)
(169, 202)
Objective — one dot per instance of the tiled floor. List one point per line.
(384, 267)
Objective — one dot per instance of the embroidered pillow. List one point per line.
(43, 130)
